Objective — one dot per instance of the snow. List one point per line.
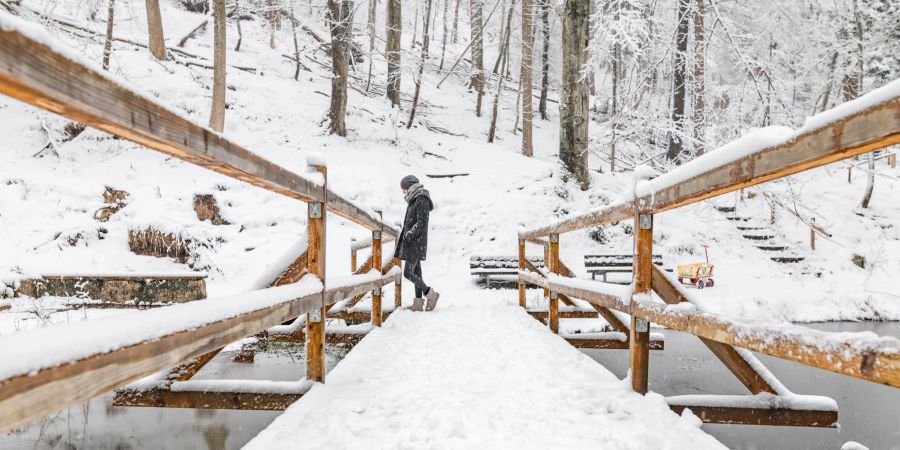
(475, 373)
(762, 400)
(281, 264)
(30, 351)
(853, 445)
(883, 94)
(622, 292)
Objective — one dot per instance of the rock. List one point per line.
(207, 208)
(117, 288)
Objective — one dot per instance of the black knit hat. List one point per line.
(408, 181)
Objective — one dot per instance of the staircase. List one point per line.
(763, 237)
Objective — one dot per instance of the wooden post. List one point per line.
(812, 234)
(352, 261)
(553, 267)
(398, 285)
(521, 267)
(376, 264)
(850, 173)
(315, 260)
(547, 266)
(640, 328)
(892, 160)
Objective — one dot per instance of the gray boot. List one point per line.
(418, 303)
(432, 297)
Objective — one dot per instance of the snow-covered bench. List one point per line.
(608, 263)
(487, 266)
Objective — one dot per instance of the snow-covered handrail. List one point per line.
(47, 369)
(35, 69)
(866, 124)
(360, 244)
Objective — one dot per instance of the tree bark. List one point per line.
(272, 15)
(676, 141)
(297, 63)
(699, 91)
(370, 27)
(870, 179)
(573, 104)
(392, 51)
(477, 79)
(338, 19)
(217, 115)
(107, 45)
(456, 22)
(237, 17)
(157, 42)
(426, 40)
(527, 107)
(444, 35)
(545, 57)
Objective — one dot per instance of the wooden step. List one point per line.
(751, 228)
(787, 259)
(772, 248)
(725, 209)
(758, 237)
(736, 219)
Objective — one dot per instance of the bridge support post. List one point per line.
(547, 266)
(315, 263)
(640, 328)
(352, 261)
(521, 268)
(398, 285)
(553, 267)
(376, 264)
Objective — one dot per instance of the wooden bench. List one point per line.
(608, 263)
(487, 266)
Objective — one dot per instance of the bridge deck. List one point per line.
(476, 372)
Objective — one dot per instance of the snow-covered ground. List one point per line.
(475, 373)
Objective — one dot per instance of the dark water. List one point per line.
(868, 413)
(99, 425)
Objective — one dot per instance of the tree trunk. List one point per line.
(217, 115)
(676, 141)
(296, 44)
(614, 122)
(370, 27)
(477, 80)
(338, 18)
(573, 103)
(426, 40)
(444, 35)
(456, 22)
(870, 178)
(527, 107)
(699, 94)
(107, 45)
(545, 57)
(392, 51)
(157, 42)
(503, 57)
(412, 43)
(237, 17)
(271, 16)
(505, 24)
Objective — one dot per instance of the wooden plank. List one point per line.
(610, 213)
(553, 267)
(398, 285)
(332, 338)
(165, 398)
(611, 344)
(544, 315)
(34, 73)
(522, 261)
(315, 259)
(762, 416)
(876, 363)
(742, 370)
(49, 390)
(639, 356)
(356, 317)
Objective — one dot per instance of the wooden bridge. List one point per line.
(50, 369)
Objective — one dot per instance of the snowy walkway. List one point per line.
(477, 372)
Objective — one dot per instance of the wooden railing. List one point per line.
(867, 124)
(47, 370)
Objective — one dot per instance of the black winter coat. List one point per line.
(413, 242)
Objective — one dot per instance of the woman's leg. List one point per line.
(413, 272)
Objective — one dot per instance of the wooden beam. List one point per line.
(761, 416)
(610, 213)
(33, 72)
(610, 344)
(376, 293)
(356, 317)
(315, 265)
(166, 398)
(544, 315)
(639, 356)
(742, 370)
(522, 261)
(553, 267)
(332, 338)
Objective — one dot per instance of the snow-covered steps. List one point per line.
(788, 259)
(758, 237)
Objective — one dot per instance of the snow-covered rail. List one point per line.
(868, 123)
(47, 370)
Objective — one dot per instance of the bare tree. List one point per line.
(107, 45)
(505, 26)
(426, 38)
(573, 104)
(392, 51)
(370, 27)
(338, 19)
(477, 79)
(527, 107)
(297, 63)
(858, 28)
(676, 141)
(699, 91)
(504, 57)
(545, 57)
(444, 35)
(217, 115)
(273, 15)
(157, 42)
(237, 17)
(455, 22)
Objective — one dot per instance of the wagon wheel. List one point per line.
(710, 283)
(700, 283)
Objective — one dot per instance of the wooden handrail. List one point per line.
(38, 74)
(871, 128)
(100, 368)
